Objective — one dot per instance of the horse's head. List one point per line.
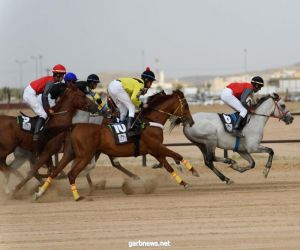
(76, 99)
(183, 111)
(280, 110)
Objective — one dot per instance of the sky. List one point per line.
(180, 37)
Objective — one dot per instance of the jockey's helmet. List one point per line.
(70, 77)
(93, 79)
(60, 69)
(148, 74)
(257, 80)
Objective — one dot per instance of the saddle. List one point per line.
(228, 121)
(26, 123)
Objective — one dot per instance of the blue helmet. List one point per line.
(70, 77)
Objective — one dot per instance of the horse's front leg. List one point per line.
(167, 166)
(248, 158)
(263, 149)
(178, 159)
(234, 165)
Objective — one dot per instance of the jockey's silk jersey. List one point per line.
(39, 84)
(133, 87)
(239, 87)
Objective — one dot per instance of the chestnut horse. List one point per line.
(52, 136)
(90, 139)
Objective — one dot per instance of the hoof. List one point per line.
(187, 187)
(79, 198)
(35, 196)
(266, 172)
(229, 182)
(195, 173)
(135, 177)
(157, 166)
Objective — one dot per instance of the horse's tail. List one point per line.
(49, 133)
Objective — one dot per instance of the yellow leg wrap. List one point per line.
(187, 164)
(76, 195)
(45, 186)
(177, 177)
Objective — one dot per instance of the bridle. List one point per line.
(180, 106)
(281, 112)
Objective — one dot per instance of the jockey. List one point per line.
(235, 95)
(125, 92)
(42, 86)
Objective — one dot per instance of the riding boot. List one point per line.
(130, 130)
(39, 123)
(237, 131)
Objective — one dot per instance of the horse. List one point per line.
(81, 116)
(52, 136)
(208, 134)
(151, 138)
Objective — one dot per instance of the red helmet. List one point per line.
(59, 69)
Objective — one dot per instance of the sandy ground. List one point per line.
(252, 213)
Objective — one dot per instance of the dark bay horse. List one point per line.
(90, 139)
(52, 136)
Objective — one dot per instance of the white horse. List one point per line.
(208, 133)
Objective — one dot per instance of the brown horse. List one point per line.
(52, 136)
(151, 139)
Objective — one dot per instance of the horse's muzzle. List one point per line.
(288, 119)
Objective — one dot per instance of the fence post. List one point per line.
(225, 153)
(144, 161)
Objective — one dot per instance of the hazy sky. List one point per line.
(189, 37)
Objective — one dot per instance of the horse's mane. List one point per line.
(158, 98)
(264, 98)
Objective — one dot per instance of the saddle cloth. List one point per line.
(26, 123)
(229, 120)
(119, 132)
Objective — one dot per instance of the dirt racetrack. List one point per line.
(252, 213)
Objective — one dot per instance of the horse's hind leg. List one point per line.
(209, 157)
(118, 166)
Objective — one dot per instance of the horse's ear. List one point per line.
(275, 96)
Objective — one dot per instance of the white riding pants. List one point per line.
(228, 97)
(121, 99)
(30, 97)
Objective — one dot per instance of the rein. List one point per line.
(59, 113)
(281, 112)
(180, 105)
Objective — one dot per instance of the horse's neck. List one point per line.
(160, 116)
(261, 116)
(63, 114)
